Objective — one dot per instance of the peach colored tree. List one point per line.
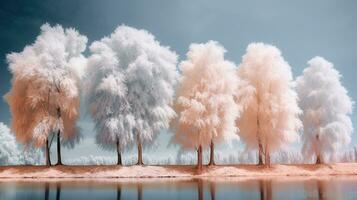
(205, 106)
(326, 106)
(44, 98)
(269, 110)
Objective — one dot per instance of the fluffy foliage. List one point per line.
(267, 99)
(13, 154)
(205, 105)
(326, 107)
(131, 86)
(46, 78)
(8, 147)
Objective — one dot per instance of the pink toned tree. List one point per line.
(326, 106)
(205, 99)
(44, 98)
(268, 101)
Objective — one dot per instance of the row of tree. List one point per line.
(133, 90)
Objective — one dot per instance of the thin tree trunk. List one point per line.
(318, 159)
(267, 154)
(267, 157)
(317, 149)
(58, 191)
(119, 153)
(47, 154)
(140, 151)
(211, 162)
(199, 158)
(260, 152)
(260, 145)
(59, 157)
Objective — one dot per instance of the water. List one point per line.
(185, 189)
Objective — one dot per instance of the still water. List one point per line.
(185, 189)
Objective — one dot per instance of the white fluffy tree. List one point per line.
(106, 97)
(44, 98)
(133, 79)
(205, 99)
(326, 106)
(8, 149)
(270, 112)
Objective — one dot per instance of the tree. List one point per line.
(106, 97)
(134, 78)
(44, 98)
(326, 106)
(268, 101)
(205, 105)
(8, 148)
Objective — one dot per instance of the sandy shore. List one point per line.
(346, 169)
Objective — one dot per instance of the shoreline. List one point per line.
(177, 171)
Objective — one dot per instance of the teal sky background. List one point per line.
(300, 29)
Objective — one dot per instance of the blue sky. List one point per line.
(301, 29)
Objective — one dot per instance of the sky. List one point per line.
(300, 29)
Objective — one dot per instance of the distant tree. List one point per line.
(31, 156)
(133, 79)
(326, 106)
(8, 148)
(205, 99)
(268, 101)
(44, 98)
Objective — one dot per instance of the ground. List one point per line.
(175, 171)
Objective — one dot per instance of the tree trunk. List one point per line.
(267, 154)
(199, 158)
(211, 162)
(47, 154)
(317, 150)
(318, 159)
(267, 158)
(260, 152)
(260, 145)
(59, 157)
(140, 151)
(119, 153)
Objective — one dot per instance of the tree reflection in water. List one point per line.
(118, 192)
(265, 189)
(206, 188)
(47, 190)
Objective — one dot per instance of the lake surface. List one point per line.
(185, 189)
